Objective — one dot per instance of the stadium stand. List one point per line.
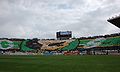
(53, 45)
(24, 47)
(16, 44)
(7, 44)
(100, 42)
(113, 41)
(89, 45)
(72, 46)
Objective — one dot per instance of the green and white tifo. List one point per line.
(91, 45)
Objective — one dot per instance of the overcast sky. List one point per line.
(42, 18)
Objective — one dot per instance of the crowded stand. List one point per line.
(105, 44)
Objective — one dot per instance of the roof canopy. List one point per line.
(115, 21)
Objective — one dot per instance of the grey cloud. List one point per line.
(42, 18)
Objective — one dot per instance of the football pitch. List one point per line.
(95, 63)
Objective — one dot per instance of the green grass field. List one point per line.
(59, 63)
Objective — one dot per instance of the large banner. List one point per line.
(25, 45)
(100, 42)
(6, 44)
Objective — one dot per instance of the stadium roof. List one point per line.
(115, 21)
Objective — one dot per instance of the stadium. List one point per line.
(65, 45)
(64, 53)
